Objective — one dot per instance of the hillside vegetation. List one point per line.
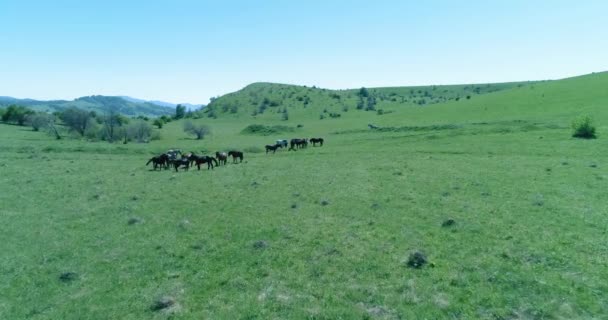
(505, 205)
(271, 101)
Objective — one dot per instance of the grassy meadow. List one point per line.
(87, 231)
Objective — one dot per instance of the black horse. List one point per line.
(165, 160)
(156, 162)
(222, 157)
(236, 154)
(272, 148)
(183, 162)
(198, 160)
(314, 141)
(298, 144)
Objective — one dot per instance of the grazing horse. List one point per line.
(314, 141)
(282, 143)
(165, 160)
(156, 162)
(198, 160)
(272, 148)
(298, 143)
(222, 157)
(236, 154)
(172, 154)
(181, 162)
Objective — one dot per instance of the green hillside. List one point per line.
(100, 104)
(269, 100)
(508, 208)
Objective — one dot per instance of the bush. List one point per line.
(198, 130)
(266, 130)
(583, 128)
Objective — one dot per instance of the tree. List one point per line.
(180, 111)
(16, 114)
(158, 122)
(38, 120)
(52, 128)
(363, 92)
(112, 121)
(200, 130)
(76, 119)
(140, 131)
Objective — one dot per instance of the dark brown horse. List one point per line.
(183, 162)
(297, 144)
(156, 162)
(198, 160)
(222, 157)
(236, 154)
(272, 148)
(314, 141)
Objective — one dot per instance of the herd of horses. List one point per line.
(294, 144)
(178, 160)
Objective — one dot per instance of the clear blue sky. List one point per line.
(188, 51)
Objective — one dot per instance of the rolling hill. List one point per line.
(271, 100)
(98, 104)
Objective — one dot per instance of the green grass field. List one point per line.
(88, 232)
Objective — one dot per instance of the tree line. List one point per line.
(111, 126)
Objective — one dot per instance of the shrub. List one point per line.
(583, 128)
(266, 130)
(158, 122)
(198, 130)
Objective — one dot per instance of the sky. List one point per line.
(189, 51)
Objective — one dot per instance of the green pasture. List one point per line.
(87, 231)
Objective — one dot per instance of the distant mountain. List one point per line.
(100, 104)
(188, 106)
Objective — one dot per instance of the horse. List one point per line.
(235, 155)
(181, 162)
(156, 161)
(272, 148)
(198, 160)
(371, 126)
(282, 143)
(314, 141)
(297, 144)
(165, 160)
(172, 154)
(222, 157)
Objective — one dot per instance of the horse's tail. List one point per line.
(147, 163)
